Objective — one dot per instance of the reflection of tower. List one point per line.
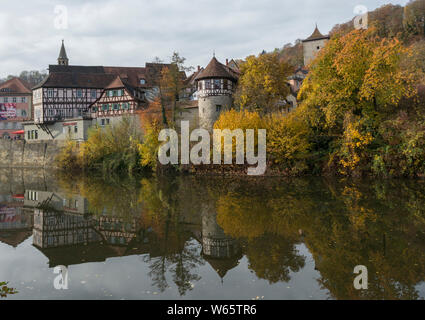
(215, 89)
(218, 249)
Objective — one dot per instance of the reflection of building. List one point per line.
(15, 107)
(15, 223)
(58, 229)
(219, 250)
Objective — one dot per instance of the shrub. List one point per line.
(148, 150)
(68, 158)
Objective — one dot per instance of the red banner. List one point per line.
(7, 110)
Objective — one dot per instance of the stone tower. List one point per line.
(216, 84)
(63, 59)
(313, 44)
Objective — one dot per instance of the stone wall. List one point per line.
(20, 154)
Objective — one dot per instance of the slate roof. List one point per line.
(216, 70)
(62, 53)
(63, 76)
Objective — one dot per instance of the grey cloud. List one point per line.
(131, 32)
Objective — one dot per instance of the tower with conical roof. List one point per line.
(216, 84)
(313, 44)
(63, 59)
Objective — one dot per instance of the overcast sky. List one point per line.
(132, 32)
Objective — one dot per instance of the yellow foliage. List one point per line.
(287, 134)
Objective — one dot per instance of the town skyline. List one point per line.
(93, 37)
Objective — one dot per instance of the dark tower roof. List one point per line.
(216, 70)
(316, 35)
(63, 58)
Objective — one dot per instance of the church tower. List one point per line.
(216, 84)
(63, 59)
(313, 44)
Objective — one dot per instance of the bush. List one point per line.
(114, 148)
(68, 158)
(148, 150)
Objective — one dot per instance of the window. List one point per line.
(217, 84)
(115, 93)
(36, 134)
(50, 93)
(125, 106)
(102, 122)
(14, 99)
(76, 129)
(6, 100)
(218, 108)
(79, 93)
(29, 135)
(116, 106)
(318, 48)
(32, 134)
(93, 94)
(107, 121)
(105, 107)
(142, 81)
(207, 84)
(23, 113)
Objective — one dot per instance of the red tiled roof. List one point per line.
(15, 85)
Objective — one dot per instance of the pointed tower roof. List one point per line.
(316, 35)
(216, 70)
(62, 53)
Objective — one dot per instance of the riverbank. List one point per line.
(21, 154)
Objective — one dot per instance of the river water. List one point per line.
(191, 237)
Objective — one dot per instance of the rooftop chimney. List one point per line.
(227, 62)
(199, 68)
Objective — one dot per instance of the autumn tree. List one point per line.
(172, 82)
(263, 83)
(355, 82)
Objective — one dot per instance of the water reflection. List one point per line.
(176, 225)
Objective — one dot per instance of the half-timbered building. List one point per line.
(67, 93)
(119, 98)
